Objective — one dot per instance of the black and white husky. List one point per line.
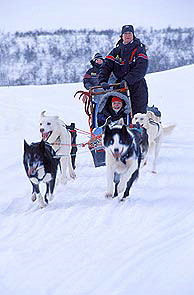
(41, 166)
(123, 158)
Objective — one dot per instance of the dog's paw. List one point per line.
(108, 195)
(33, 197)
(50, 197)
(121, 187)
(63, 180)
(124, 199)
(73, 175)
(143, 163)
(154, 171)
(47, 178)
(42, 203)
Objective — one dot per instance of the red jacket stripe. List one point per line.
(132, 55)
(142, 55)
(110, 57)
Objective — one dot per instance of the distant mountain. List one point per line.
(62, 56)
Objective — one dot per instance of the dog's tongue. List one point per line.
(31, 171)
(117, 155)
(45, 136)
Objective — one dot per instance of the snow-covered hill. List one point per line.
(62, 56)
(82, 243)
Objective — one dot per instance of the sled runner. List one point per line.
(94, 101)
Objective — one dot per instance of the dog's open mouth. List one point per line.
(32, 171)
(140, 124)
(117, 155)
(46, 135)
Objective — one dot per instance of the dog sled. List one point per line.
(94, 101)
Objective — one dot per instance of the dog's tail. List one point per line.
(168, 129)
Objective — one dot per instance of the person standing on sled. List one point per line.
(129, 63)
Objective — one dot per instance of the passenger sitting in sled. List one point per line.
(115, 105)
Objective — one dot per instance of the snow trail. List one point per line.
(82, 243)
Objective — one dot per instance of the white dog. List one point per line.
(155, 132)
(54, 131)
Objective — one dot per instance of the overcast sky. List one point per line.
(24, 15)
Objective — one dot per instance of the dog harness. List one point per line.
(152, 122)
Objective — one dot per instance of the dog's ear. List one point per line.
(106, 135)
(108, 121)
(42, 145)
(107, 129)
(150, 115)
(26, 146)
(124, 130)
(43, 114)
(121, 122)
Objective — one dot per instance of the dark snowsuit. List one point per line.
(91, 76)
(129, 62)
(91, 79)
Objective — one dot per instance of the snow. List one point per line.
(83, 243)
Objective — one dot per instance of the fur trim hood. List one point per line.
(107, 97)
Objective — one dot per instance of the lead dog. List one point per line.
(155, 131)
(41, 166)
(140, 133)
(123, 157)
(54, 131)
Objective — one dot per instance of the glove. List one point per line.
(105, 85)
(122, 84)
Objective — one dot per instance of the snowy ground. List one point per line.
(82, 243)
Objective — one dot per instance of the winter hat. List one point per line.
(127, 28)
(114, 98)
(98, 56)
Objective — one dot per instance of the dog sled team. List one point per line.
(117, 106)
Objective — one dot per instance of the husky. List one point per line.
(139, 131)
(40, 164)
(155, 130)
(123, 158)
(55, 132)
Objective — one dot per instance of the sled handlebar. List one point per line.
(108, 90)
